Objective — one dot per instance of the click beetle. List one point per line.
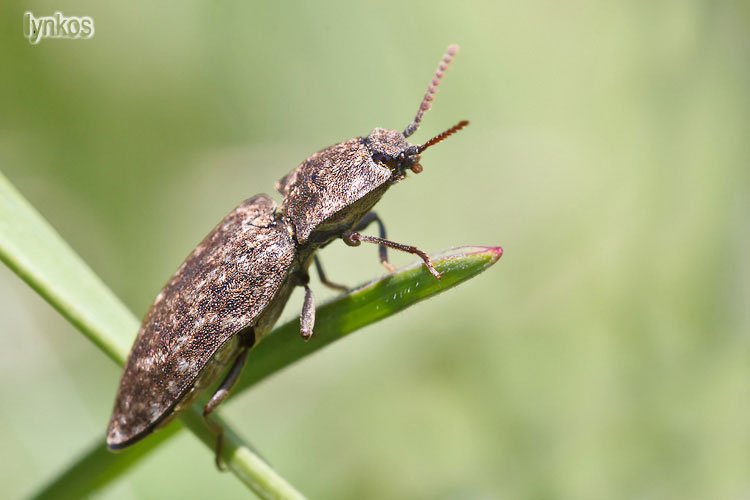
(232, 288)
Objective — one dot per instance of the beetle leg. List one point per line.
(354, 239)
(222, 393)
(323, 278)
(307, 317)
(383, 250)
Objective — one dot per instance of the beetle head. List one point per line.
(389, 147)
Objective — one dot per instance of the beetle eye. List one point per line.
(384, 159)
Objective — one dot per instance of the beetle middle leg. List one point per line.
(324, 279)
(352, 238)
(382, 249)
(222, 393)
(307, 316)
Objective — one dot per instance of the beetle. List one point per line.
(232, 288)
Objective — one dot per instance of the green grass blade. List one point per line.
(362, 306)
(32, 249)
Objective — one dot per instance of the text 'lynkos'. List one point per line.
(56, 26)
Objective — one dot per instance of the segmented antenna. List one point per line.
(431, 90)
(443, 135)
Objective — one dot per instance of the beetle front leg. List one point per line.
(383, 250)
(354, 239)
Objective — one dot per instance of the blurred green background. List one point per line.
(605, 356)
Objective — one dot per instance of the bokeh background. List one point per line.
(605, 356)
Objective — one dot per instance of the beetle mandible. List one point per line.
(231, 289)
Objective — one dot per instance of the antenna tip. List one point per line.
(432, 89)
(442, 136)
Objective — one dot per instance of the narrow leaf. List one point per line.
(34, 251)
(365, 305)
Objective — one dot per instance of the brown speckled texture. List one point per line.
(221, 288)
(328, 182)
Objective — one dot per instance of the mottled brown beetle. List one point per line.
(230, 291)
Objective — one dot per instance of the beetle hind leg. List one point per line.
(222, 393)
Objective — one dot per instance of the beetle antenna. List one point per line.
(431, 90)
(442, 136)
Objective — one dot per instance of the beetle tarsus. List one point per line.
(218, 431)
